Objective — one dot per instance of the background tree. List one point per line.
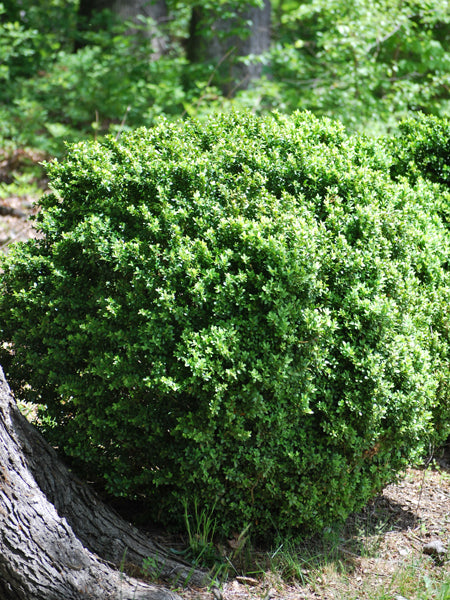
(368, 64)
(233, 41)
(150, 12)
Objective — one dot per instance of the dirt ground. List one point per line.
(380, 554)
(14, 222)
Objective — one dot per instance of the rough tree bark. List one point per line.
(217, 44)
(57, 540)
(131, 10)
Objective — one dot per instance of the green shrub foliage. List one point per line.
(244, 312)
(422, 149)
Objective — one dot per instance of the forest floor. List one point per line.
(380, 554)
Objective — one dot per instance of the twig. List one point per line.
(122, 124)
(427, 464)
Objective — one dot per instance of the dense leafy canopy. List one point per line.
(250, 310)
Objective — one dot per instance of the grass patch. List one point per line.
(376, 555)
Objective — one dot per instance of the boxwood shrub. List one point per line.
(422, 149)
(246, 312)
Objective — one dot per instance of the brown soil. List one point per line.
(15, 222)
(16, 210)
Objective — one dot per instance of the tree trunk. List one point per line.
(211, 40)
(131, 10)
(57, 540)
